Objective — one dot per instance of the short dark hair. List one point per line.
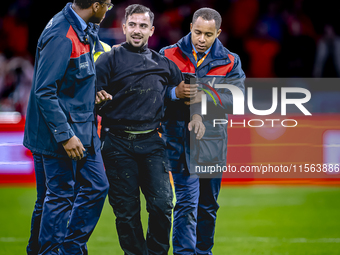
(84, 4)
(138, 8)
(208, 14)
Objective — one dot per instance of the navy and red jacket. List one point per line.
(62, 97)
(219, 67)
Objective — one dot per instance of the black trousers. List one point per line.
(134, 163)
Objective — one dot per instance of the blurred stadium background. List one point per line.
(280, 39)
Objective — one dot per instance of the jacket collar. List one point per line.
(81, 21)
(129, 47)
(92, 29)
(217, 52)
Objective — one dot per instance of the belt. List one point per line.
(129, 136)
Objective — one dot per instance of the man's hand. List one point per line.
(74, 148)
(197, 125)
(196, 99)
(102, 96)
(184, 90)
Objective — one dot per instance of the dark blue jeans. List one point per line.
(135, 162)
(67, 220)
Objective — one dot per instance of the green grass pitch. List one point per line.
(273, 220)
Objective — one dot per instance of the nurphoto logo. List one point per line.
(238, 104)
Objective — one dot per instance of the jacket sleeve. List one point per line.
(51, 69)
(103, 70)
(174, 74)
(104, 66)
(235, 77)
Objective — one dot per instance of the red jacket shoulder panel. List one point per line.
(183, 62)
(78, 48)
(223, 70)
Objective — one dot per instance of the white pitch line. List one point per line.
(278, 240)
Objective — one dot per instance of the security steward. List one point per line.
(133, 152)
(33, 243)
(61, 129)
(200, 54)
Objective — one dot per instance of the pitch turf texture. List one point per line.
(252, 220)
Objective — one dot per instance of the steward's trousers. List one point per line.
(135, 162)
(68, 220)
(195, 213)
(33, 242)
(33, 246)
